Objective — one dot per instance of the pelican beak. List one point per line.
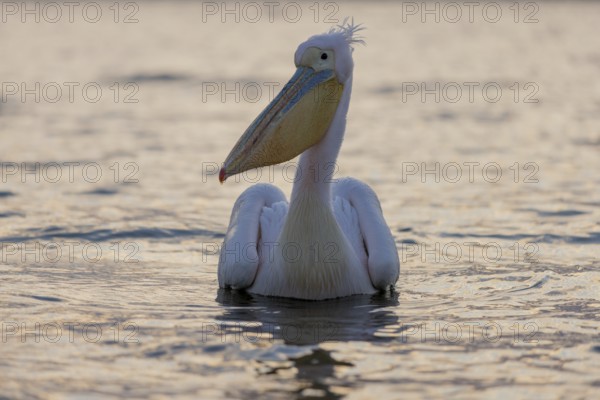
(295, 120)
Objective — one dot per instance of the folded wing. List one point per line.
(355, 199)
(239, 259)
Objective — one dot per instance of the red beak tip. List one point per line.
(222, 176)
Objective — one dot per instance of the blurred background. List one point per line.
(477, 124)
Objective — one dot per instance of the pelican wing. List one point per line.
(359, 214)
(239, 259)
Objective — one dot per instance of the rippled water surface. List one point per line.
(111, 212)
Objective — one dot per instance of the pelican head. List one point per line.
(300, 115)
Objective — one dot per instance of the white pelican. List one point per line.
(331, 240)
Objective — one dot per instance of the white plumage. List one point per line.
(331, 240)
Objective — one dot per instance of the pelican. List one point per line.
(331, 240)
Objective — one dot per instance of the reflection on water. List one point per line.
(108, 284)
(306, 322)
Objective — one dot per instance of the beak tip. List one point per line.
(222, 175)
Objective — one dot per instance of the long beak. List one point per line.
(295, 120)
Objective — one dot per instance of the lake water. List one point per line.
(481, 138)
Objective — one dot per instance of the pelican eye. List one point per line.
(323, 56)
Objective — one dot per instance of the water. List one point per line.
(499, 288)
